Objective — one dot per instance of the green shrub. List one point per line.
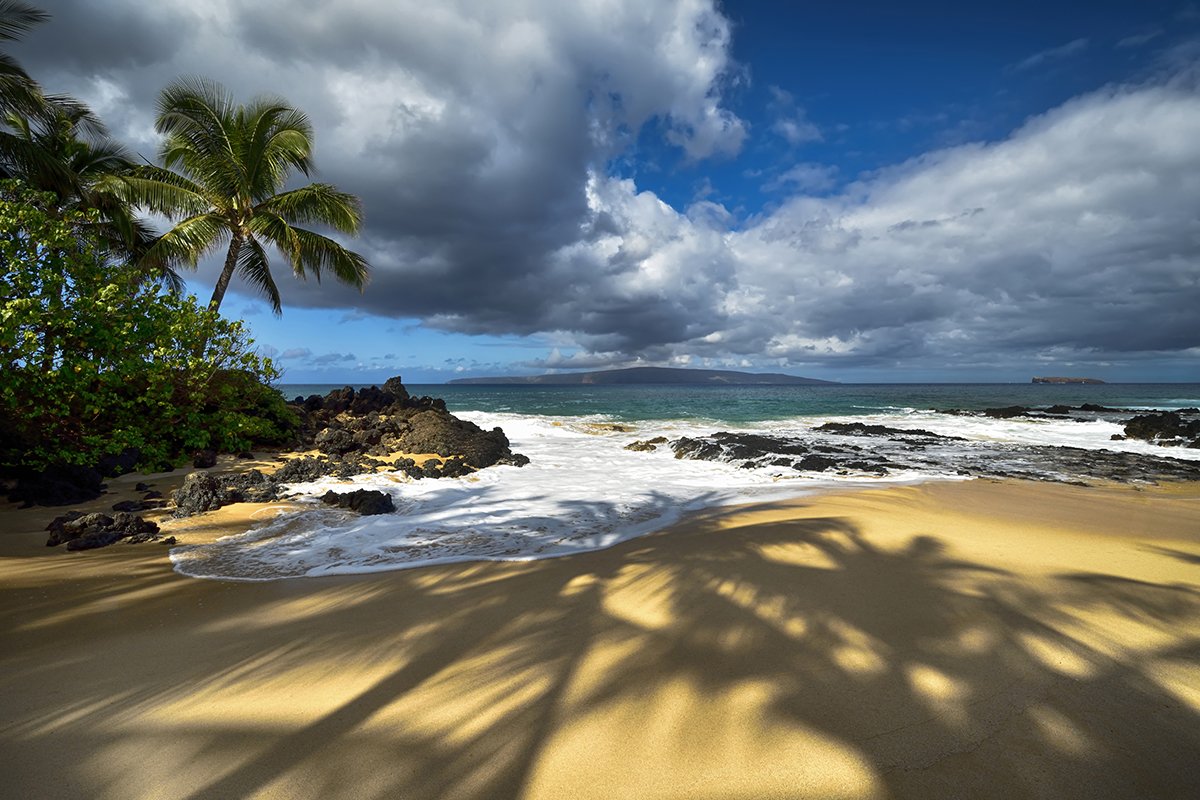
(95, 359)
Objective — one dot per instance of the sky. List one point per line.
(853, 191)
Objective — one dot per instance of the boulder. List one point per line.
(112, 466)
(203, 459)
(200, 492)
(363, 501)
(335, 441)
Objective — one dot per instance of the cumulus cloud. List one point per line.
(1076, 235)
(296, 352)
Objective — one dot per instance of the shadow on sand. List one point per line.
(789, 660)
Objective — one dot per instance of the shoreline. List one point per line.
(978, 638)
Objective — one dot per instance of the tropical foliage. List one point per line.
(96, 361)
(225, 166)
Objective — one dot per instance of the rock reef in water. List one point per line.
(884, 450)
(1067, 380)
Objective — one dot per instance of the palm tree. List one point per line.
(18, 92)
(25, 108)
(224, 170)
(59, 151)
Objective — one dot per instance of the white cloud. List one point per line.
(805, 178)
(1052, 55)
(1139, 39)
(790, 121)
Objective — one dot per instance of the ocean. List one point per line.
(583, 490)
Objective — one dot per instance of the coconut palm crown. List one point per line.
(224, 168)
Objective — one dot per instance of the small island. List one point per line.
(1057, 380)
(653, 375)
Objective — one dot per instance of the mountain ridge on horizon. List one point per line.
(650, 375)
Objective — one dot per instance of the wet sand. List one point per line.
(979, 639)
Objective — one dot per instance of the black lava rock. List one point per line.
(203, 459)
(366, 502)
(90, 531)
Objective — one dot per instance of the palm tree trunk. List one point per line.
(235, 248)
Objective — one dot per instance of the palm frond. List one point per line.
(277, 139)
(16, 18)
(187, 242)
(254, 266)
(318, 253)
(276, 230)
(317, 204)
(161, 191)
(198, 120)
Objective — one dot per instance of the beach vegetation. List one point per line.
(222, 182)
(68, 153)
(97, 361)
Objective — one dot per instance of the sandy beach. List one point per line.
(975, 639)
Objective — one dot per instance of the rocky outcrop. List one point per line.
(1165, 428)
(378, 422)
(90, 531)
(353, 430)
(363, 501)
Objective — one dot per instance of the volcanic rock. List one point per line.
(363, 501)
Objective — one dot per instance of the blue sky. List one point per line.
(858, 191)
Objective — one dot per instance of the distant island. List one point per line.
(1067, 380)
(650, 375)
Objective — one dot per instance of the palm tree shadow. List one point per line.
(1178, 555)
(930, 669)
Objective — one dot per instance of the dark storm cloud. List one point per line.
(84, 36)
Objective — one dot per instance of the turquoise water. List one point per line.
(757, 403)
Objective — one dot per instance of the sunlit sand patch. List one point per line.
(799, 553)
(942, 694)
(641, 595)
(1057, 656)
(857, 651)
(1060, 732)
(1179, 678)
(649, 750)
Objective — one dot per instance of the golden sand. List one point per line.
(980, 639)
